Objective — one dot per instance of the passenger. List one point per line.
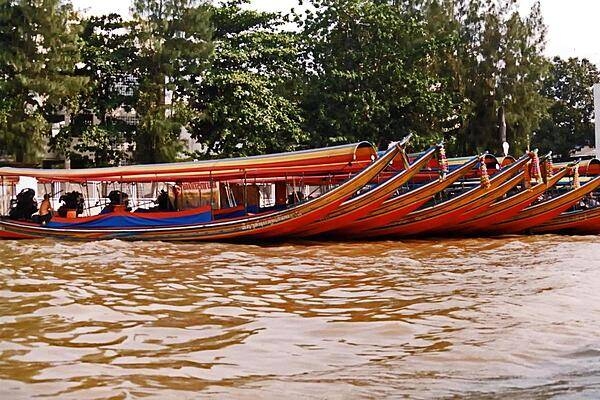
(295, 197)
(593, 201)
(45, 210)
(177, 196)
(72, 205)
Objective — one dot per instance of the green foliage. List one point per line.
(97, 134)
(246, 102)
(497, 62)
(173, 40)
(39, 47)
(242, 83)
(370, 73)
(569, 122)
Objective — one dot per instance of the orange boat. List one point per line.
(585, 216)
(121, 224)
(538, 214)
(397, 207)
(581, 221)
(362, 205)
(454, 210)
(507, 208)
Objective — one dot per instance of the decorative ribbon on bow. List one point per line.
(576, 182)
(549, 168)
(443, 161)
(535, 168)
(527, 176)
(485, 178)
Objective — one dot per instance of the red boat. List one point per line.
(397, 207)
(362, 205)
(581, 221)
(507, 208)
(584, 217)
(536, 215)
(121, 224)
(452, 211)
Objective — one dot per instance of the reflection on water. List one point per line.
(495, 318)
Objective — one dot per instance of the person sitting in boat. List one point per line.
(119, 201)
(588, 202)
(45, 210)
(295, 197)
(177, 199)
(163, 203)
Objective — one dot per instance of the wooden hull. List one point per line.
(507, 208)
(10, 236)
(360, 206)
(538, 214)
(397, 207)
(580, 221)
(272, 225)
(451, 211)
(447, 223)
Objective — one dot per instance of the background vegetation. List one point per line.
(245, 82)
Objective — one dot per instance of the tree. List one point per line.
(97, 126)
(497, 63)
(569, 121)
(39, 48)
(174, 42)
(370, 76)
(247, 103)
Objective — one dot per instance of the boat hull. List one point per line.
(360, 206)
(538, 214)
(578, 222)
(453, 210)
(397, 207)
(269, 226)
(507, 208)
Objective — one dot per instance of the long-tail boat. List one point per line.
(397, 207)
(362, 205)
(537, 214)
(174, 226)
(581, 221)
(513, 204)
(582, 218)
(507, 208)
(453, 210)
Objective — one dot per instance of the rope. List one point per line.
(485, 178)
(443, 161)
(527, 176)
(535, 168)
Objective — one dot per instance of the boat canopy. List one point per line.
(590, 167)
(349, 158)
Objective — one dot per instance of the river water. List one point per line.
(512, 317)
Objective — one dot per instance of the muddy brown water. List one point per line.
(511, 317)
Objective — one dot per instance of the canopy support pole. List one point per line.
(2, 211)
(245, 194)
(210, 182)
(597, 118)
(87, 198)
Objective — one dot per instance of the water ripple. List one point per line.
(497, 318)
